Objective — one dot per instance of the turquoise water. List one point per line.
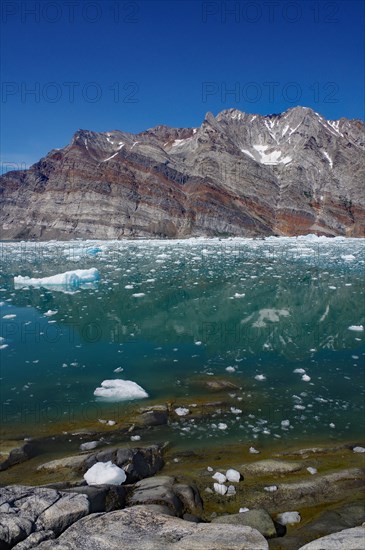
(259, 308)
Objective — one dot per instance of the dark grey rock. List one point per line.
(137, 463)
(157, 490)
(259, 519)
(347, 539)
(37, 509)
(34, 539)
(20, 454)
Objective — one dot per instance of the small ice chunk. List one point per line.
(221, 478)
(358, 450)
(119, 369)
(288, 517)
(220, 489)
(210, 469)
(237, 295)
(285, 424)
(306, 378)
(233, 475)
(271, 488)
(9, 316)
(312, 470)
(332, 425)
(89, 445)
(236, 411)
(135, 437)
(182, 411)
(230, 369)
(105, 473)
(111, 422)
(299, 371)
(138, 295)
(120, 390)
(198, 343)
(253, 451)
(222, 426)
(50, 312)
(243, 510)
(260, 377)
(355, 328)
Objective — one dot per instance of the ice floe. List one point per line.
(68, 279)
(120, 390)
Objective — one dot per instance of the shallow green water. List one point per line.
(256, 307)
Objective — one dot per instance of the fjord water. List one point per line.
(175, 314)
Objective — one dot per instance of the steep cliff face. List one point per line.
(238, 174)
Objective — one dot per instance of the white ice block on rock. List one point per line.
(105, 473)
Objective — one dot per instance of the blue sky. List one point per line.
(104, 65)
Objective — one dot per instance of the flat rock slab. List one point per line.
(272, 467)
(73, 462)
(348, 539)
(142, 529)
(258, 519)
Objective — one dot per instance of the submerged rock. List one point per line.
(271, 466)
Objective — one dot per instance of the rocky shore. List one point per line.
(169, 499)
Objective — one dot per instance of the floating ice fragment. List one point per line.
(9, 316)
(230, 369)
(243, 510)
(120, 390)
(312, 470)
(118, 369)
(3, 346)
(68, 278)
(138, 295)
(182, 411)
(89, 445)
(235, 411)
(288, 517)
(332, 425)
(260, 377)
(299, 371)
(285, 424)
(237, 295)
(356, 328)
(111, 422)
(135, 437)
(233, 475)
(221, 478)
(198, 343)
(271, 488)
(220, 489)
(306, 378)
(348, 257)
(358, 450)
(50, 312)
(105, 473)
(253, 451)
(222, 426)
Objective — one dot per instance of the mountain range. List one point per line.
(237, 174)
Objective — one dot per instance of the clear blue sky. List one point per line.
(106, 65)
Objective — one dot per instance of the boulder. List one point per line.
(137, 463)
(157, 490)
(139, 528)
(35, 509)
(348, 539)
(153, 416)
(33, 540)
(102, 498)
(257, 519)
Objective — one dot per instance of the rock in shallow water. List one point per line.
(139, 528)
(258, 519)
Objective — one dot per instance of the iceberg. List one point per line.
(120, 390)
(68, 278)
(105, 473)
